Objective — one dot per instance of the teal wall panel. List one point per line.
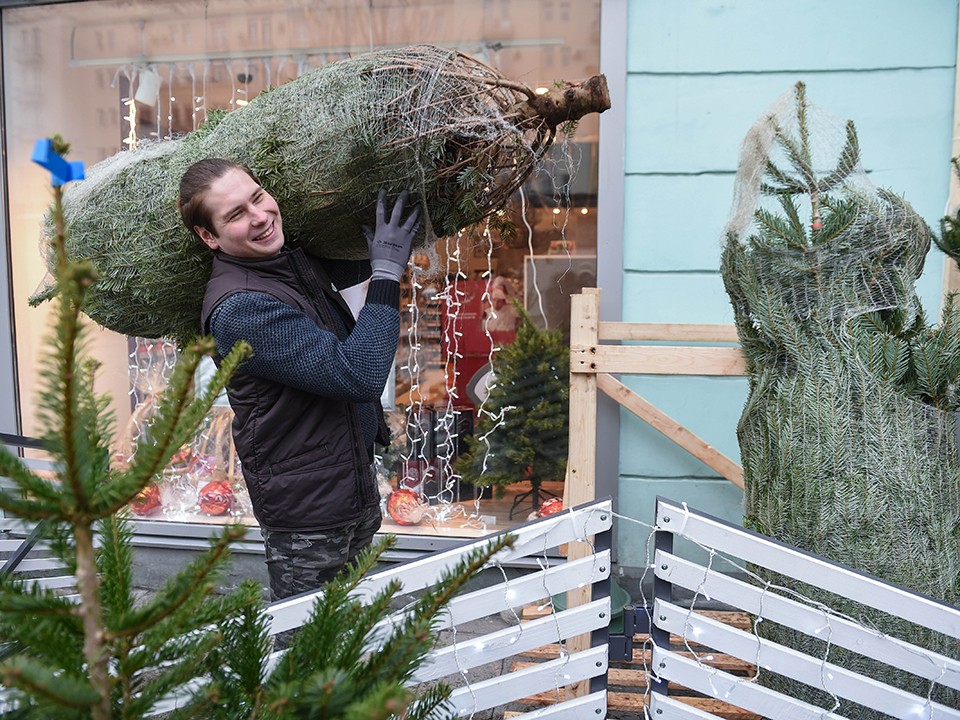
(675, 298)
(685, 138)
(663, 233)
(709, 407)
(716, 36)
(695, 123)
(700, 73)
(638, 499)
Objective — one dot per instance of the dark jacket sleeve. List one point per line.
(289, 348)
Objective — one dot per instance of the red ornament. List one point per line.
(216, 497)
(182, 456)
(406, 507)
(146, 501)
(549, 507)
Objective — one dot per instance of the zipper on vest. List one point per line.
(366, 483)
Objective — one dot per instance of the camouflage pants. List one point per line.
(299, 562)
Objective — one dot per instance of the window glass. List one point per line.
(112, 74)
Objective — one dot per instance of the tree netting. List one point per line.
(424, 118)
(848, 438)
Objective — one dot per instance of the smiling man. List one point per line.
(306, 404)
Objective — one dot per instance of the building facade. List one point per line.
(654, 185)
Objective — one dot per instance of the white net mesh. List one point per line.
(435, 121)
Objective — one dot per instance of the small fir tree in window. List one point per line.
(521, 433)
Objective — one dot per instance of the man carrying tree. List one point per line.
(306, 404)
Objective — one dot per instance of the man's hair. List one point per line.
(193, 188)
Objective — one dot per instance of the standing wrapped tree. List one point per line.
(430, 119)
(848, 436)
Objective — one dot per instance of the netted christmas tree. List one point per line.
(848, 437)
(521, 433)
(431, 120)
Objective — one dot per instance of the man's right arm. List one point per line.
(289, 348)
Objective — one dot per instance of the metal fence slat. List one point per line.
(809, 568)
(513, 640)
(541, 678)
(531, 539)
(662, 707)
(733, 690)
(512, 594)
(810, 620)
(793, 664)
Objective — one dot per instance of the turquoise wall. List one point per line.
(699, 73)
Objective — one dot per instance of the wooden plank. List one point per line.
(641, 657)
(951, 272)
(671, 429)
(615, 676)
(581, 463)
(580, 486)
(628, 677)
(655, 360)
(635, 703)
(672, 332)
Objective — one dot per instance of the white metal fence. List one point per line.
(766, 602)
(536, 540)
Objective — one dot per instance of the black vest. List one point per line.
(303, 455)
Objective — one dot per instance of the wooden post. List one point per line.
(580, 485)
(951, 273)
(582, 459)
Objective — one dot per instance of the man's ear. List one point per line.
(208, 237)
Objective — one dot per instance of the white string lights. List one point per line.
(418, 459)
(129, 74)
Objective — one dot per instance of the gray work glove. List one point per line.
(392, 240)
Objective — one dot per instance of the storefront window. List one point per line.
(110, 75)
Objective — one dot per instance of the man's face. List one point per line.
(245, 218)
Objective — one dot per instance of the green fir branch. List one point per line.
(382, 703)
(180, 590)
(27, 481)
(115, 563)
(849, 158)
(798, 233)
(838, 218)
(237, 678)
(780, 183)
(775, 228)
(21, 597)
(46, 683)
(430, 702)
(399, 654)
(796, 157)
(164, 679)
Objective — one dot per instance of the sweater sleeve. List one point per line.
(289, 348)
